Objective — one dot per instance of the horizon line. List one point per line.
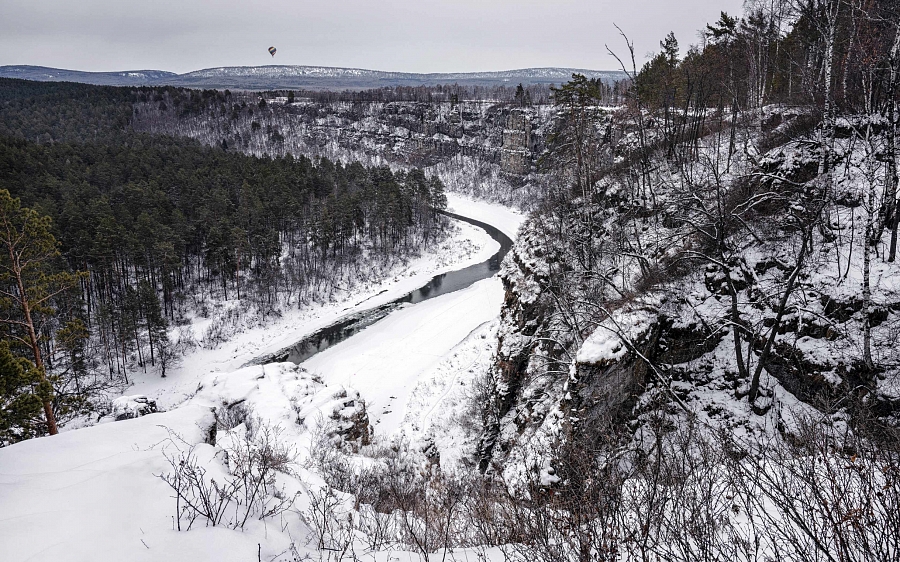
(310, 66)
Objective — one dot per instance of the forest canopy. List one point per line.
(153, 223)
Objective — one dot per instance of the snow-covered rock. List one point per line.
(135, 406)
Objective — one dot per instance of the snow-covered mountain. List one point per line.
(309, 77)
(283, 71)
(122, 78)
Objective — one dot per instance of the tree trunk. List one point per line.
(869, 240)
(33, 341)
(782, 306)
(828, 71)
(892, 180)
(737, 325)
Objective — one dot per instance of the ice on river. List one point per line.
(385, 361)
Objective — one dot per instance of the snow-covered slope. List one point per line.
(94, 494)
(663, 334)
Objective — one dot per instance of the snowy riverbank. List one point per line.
(468, 246)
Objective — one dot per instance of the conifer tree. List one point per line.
(72, 339)
(520, 96)
(156, 323)
(29, 281)
(20, 402)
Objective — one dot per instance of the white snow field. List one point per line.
(385, 361)
(93, 494)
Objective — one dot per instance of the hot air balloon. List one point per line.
(272, 51)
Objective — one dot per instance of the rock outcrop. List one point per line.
(135, 406)
(516, 151)
(643, 338)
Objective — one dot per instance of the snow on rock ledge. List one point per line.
(288, 395)
(344, 408)
(612, 340)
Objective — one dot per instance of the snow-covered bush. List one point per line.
(223, 326)
(228, 485)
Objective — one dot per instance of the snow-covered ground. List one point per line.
(440, 409)
(385, 361)
(93, 494)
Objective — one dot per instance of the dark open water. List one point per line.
(439, 285)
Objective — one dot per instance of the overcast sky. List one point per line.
(396, 35)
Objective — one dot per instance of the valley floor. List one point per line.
(470, 245)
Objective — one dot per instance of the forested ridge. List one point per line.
(62, 111)
(744, 198)
(151, 227)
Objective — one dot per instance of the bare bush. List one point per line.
(331, 522)
(824, 496)
(196, 494)
(233, 415)
(247, 487)
(682, 492)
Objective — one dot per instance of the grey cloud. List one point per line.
(404, 35)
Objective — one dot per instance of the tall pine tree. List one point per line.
(29, 281)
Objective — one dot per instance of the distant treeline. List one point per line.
(63, 111)
(537, 94)
(48, 112)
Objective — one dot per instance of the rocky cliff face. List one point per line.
(517, 149)
(474, 146)
(646, 338)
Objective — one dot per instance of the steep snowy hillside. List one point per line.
(756, 317)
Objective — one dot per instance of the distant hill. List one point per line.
(275, 77)
(124, 78)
